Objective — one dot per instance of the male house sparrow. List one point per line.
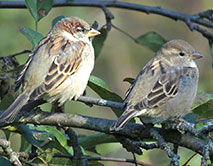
(59, 66)
(165, 88)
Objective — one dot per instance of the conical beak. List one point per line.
(93, 33)
(195, 55)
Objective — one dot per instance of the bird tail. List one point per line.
(9, 115)
(122, 120)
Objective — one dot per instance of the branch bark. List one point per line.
(203, 18)
(123, 5)
(12, 156)
(132, 130)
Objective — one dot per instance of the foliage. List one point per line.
(151, 40)
(49, 140)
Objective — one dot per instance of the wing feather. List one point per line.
(20, 80)
(65, 63)
(165, 88)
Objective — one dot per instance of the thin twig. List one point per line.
(164, 145)
(12, 156)
(188, 19)
(73, 141)
(125, 33)
(117, 4)
(109, 16)
(100, 158)
(132, 130)
(190, 158)
(105, 159)
(83, 99)
(135, 159)
(101, 102)
(16, 54)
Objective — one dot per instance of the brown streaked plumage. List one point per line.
(165, 88)
(59, 66)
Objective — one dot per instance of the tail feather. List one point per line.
(122, 121)
(10, 114)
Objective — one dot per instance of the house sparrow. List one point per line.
(59, 66)
(165, 88)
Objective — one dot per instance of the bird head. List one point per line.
(180, 52)
(75, 29)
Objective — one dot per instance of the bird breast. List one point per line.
(75, 84)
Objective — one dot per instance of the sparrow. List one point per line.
(165, 88)
(59, 66)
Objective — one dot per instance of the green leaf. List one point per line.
(61, 141)
(25, 146)
(59, 161)
(27, 133)
(151, 40)
(203, 106)
(32, 7)
(99, 86)
(201, 124)
(98, 41)
(5, 162)
(46, 156)
(129, 80)
(99, 82)
(33, 36)
(55, 20)
(39, 8)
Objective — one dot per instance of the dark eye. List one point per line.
(80, 29)
(182, 54)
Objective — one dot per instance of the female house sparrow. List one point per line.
(165, 88)
(59, 66)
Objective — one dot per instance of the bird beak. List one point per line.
(93, 33)
(195, 55)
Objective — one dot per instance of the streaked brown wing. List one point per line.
(149, 66)
(66, 62)
(20, 79)
(164, 89)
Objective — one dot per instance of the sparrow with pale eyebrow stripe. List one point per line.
(59, 66)
(165, 88)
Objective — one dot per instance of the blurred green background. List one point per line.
(121, 57)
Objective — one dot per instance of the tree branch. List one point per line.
(123, 5)
(101, 102)
(73, 141)
(132, 130)
(12, 156)
(101, 158)
(203, 18)
(16, 54)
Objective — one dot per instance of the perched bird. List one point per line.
(165, 88)
(59, 66)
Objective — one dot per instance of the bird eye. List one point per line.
(80, 29)
(181, 53)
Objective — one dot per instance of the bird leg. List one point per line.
(180, 122)
(56, 108)
(181, 125)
